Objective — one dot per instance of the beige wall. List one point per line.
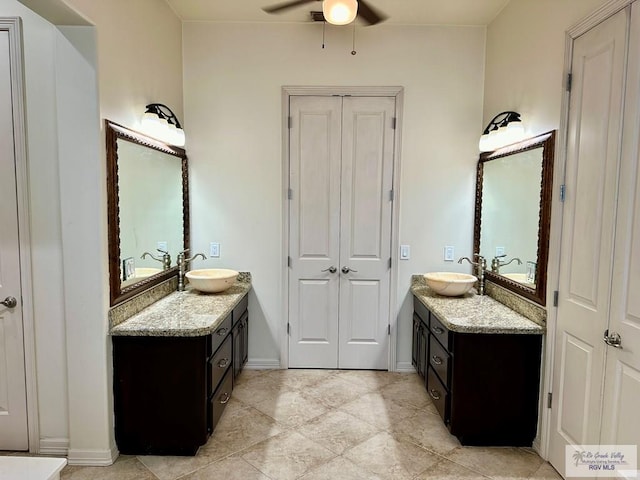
(233, 78)
(525, 58)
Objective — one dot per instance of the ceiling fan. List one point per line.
(337, 12)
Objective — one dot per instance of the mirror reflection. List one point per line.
(513, 212)
(148, 210)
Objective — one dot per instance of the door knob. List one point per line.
(10, 302)
(331, 269)
(347, 270)
(613, 339)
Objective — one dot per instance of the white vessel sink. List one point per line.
(212, 280)
(450, 284)
(518, 277)
(144, 272)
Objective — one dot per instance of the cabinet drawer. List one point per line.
(420, 310)
(220, 362)
(439, 360)
(439, 395)
(219, 335)
(240, 309)
(440, 332)
(219, 400)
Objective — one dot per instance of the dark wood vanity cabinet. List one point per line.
(484, 385)
(170, 392)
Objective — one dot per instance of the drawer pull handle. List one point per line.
(437, 360)
(222, 332)
(438, 330)
(224, 398)
(435, 394)
(223, 363)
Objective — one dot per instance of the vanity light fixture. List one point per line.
(504, 129)
(340, 12)
(161, 123)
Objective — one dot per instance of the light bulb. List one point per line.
(340, 12)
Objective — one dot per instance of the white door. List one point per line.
(341, 174)
(621, 420)
(13, 406)
(588, 229)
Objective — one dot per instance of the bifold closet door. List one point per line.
(341, 172)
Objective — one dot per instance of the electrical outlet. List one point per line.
(405, 252)
(448, 253)
(162, 246)
(500, 251)
(214, 249)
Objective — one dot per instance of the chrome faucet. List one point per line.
(182, 266)
(481, 267)
(496, 263)
(165, 259)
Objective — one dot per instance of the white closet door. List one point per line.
(315, 139)
(365, 247)
(621, 420)
(13, 400)
(588, 235)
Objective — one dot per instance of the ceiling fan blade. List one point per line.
(370, 15)
(279, 7)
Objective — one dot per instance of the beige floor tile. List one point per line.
(498, 462)
(287, 456)
(427, 430)
(546, 472)
(408, 391)
(230, 468)
(340, 469)
(291, 408)
(337, 431)
(447, 470)
(247, 376)
(378, 411)
(170, 467)
(257, 390)
(240, 429)
(372, 379)
(125, 468)
(335, 391)
(297, 378)
(390, 458)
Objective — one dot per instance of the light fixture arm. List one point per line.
(501, 120)
(163, 112)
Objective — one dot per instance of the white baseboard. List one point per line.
(93, 458)
(54, 446)
(262, 364)
(405, 367)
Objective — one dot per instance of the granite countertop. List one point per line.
(473, 313)
(184, 314)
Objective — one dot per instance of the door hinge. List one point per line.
(555, 298)
(389, 262)
(290, 122)
(288, 329)
(569, 79)
(289, 262)
(394, 122)
(389, 329)
(563, 190)
(391, 195)
(290, 194)
(549, 399)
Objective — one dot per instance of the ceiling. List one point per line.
(400, 12)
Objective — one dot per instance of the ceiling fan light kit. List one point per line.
(340, 12)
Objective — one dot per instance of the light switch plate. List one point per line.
(214, 250)
(448, 253)
(405, 252)
(162, 246)
(500, 251)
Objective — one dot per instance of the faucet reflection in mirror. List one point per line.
(161, 123)
(504, 129)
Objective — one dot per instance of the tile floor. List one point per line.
(328, 425)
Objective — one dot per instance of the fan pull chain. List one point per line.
(353, 52)
(324, 26)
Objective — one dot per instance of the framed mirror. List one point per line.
(148, 210)
(513, 215)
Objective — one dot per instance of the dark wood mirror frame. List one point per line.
(114, 132)
(547, 142)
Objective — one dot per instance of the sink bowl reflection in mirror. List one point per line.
(144, 272)
(212, 280)
(519, 277)
(450, 284)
